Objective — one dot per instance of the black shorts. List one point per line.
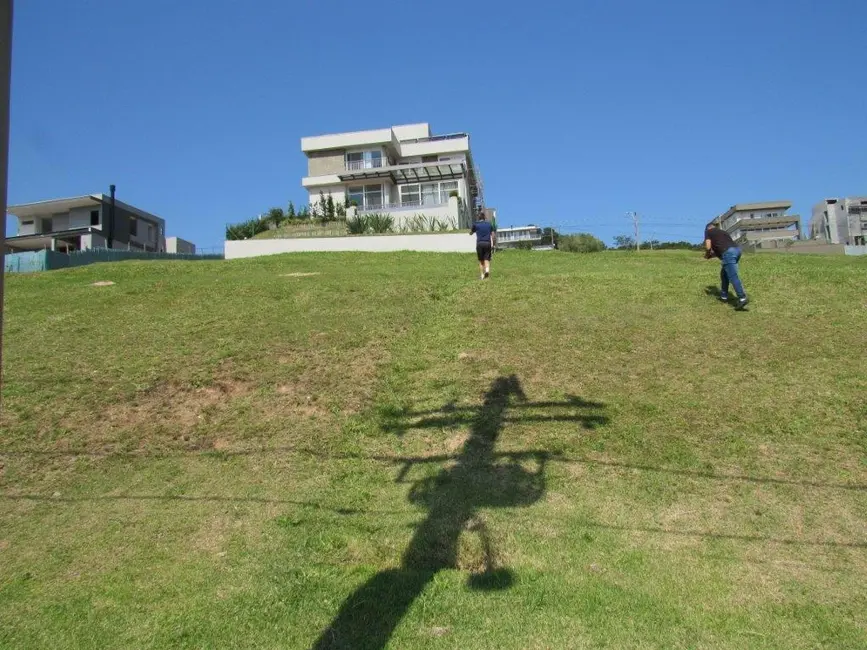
(483, 251)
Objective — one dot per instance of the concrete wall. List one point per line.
(344, 140)
(122, 237)
(178, 245)
(456, 145)
(337, 192)
(800, 247)
(411, 131)
(444, 243)
(30, 228)
(80, 217)
(320, 163)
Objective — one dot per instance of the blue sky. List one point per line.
(577, 111)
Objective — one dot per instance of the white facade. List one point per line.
(840, 221)
(178, 245)
(404, 171)
(435, 243)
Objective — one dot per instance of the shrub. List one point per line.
(357, 225)
(246, 229)
(455, 194)
(580, 243)
(379, 222)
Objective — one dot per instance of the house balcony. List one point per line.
(412, 173)
(374, 163)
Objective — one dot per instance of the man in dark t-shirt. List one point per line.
(486, 237)
(718, 243)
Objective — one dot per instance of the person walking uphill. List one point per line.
(718, 243)
(486, 238)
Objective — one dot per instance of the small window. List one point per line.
(133, 226)
(94, 217)
(27, 223)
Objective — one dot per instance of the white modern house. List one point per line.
(840, 221)
(404, 171)
(512, 236)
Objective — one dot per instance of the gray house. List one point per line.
(759, 223)
(840, 221)
(85, 222)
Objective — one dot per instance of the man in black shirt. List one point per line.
(486, 238)
(718, 243)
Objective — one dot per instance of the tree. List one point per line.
(330, 213)
(581, 243)
(276, 216)
(549, 236)
(290, 213)
(624, 242)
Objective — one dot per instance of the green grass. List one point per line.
(378, 450)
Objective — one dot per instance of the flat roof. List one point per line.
(53, 206)
(764, 205)
(34, 241)
(758, 224)
(414, 173)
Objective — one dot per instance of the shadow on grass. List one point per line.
(479, 478)
(714, 292)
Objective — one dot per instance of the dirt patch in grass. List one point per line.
(299, 274)
(182, 406)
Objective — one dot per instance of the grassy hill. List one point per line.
(361, 451)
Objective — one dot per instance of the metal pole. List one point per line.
(634, 217)
(111, 189)
(5, 81)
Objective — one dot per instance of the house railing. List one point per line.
(374, 163)
(435, 138)
(405, 205)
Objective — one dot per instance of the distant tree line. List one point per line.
(625, 242)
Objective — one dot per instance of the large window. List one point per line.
(367, 197)
(427, 194)
(133, 226)
(364, 160)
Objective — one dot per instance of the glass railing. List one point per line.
(374, 163)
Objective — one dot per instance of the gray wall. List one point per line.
(322, 163)
(120, 234)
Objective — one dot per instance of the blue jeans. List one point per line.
(729, 272)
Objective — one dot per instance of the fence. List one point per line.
(47, 260)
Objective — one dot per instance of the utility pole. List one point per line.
(5, 82)
(634, 217)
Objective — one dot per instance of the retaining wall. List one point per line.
(440, 243)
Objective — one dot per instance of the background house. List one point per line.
(758, 223)
(840, 221)
(178, 245)
(400, 170)
(85, 222)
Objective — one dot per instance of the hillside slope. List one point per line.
(358, 450)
